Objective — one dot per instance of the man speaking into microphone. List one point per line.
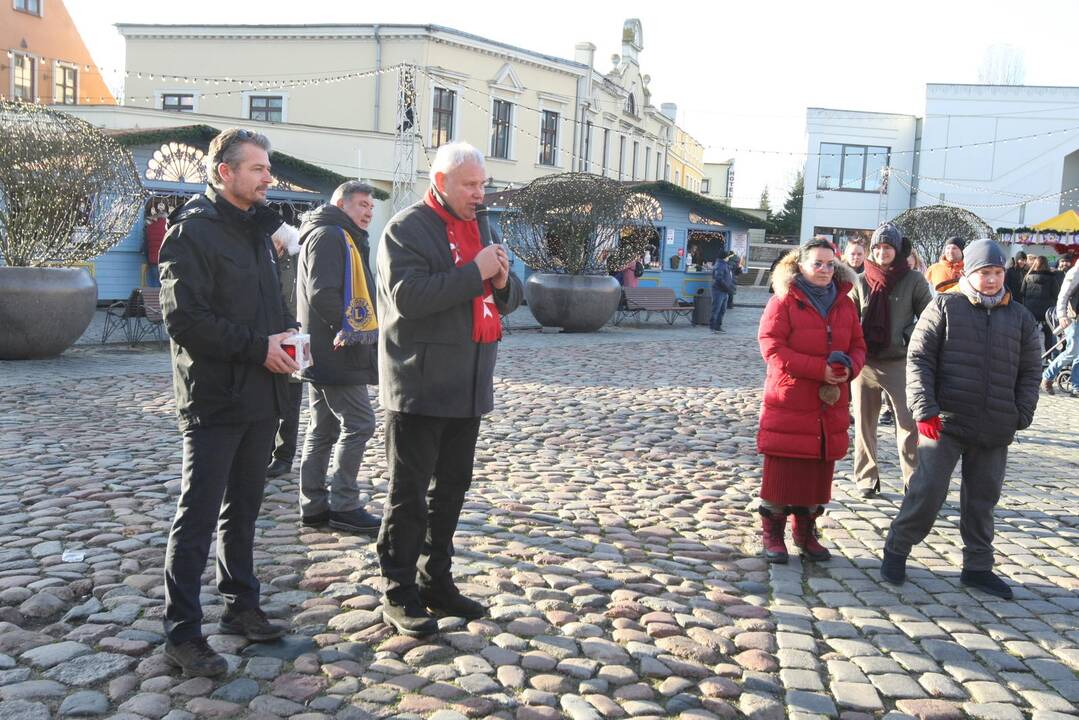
(442, 290)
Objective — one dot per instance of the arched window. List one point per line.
(631, 105)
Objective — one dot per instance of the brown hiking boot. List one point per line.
(252, 624)
(196, 658)
(1047, 386)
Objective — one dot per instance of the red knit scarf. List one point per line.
(877, 321)
(464, 239)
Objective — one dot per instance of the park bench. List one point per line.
(650, 300)
(139, 316)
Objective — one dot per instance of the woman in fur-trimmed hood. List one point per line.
(811, 340)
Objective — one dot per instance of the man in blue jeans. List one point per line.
(1066, 317)
(722, 289)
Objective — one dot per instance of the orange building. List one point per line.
(44, 58)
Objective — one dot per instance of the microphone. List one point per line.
(484, 221)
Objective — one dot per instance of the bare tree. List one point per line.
(1002, 65)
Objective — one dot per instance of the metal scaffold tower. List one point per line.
(882, 203)
(404, 141)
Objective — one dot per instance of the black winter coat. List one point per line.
(977, 368)
(221, 300)
(428, 362)
(320, 298)
(1040, 292)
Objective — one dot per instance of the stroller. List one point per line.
(1064, 379)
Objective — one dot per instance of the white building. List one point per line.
(1009, 154)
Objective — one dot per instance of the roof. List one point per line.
(327, 180)
(1067, 221)
(337, 28)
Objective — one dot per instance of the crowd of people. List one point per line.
(952, 349)
(237, 285)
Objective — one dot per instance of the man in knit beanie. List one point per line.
(973, 369)
(943, 274)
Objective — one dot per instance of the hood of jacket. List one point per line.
(787, 269)
(331, 216)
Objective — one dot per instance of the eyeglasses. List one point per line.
(828, 266)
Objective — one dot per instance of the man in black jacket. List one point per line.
(223, 309)
(334, 247)
(442, 288)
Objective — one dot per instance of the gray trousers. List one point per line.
(887, 377)
(341, 423)
(982, 479)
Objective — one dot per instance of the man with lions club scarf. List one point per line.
(442, 289)
(889, 298)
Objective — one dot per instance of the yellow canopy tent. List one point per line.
(1065, 222)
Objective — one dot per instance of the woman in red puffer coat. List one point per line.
(811, 339)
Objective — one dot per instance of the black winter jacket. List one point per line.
(977, 368)
(1040, 292)
(428, 362)
(320, 298)
(221, 300)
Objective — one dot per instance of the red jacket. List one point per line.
(795, 340)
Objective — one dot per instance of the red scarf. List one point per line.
(464, 239)
(877, 321)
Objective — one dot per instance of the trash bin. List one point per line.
(702, 307)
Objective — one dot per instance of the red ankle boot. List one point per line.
(773, 527)
(804, 533)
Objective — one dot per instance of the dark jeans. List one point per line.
(224, 472)
(430, 468)
(289, 425)
(719, 308)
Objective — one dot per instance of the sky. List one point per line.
(742, 73)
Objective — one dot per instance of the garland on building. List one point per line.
(578, 224)
(68, 192)
(928, 227)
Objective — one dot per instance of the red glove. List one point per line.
(931, 428)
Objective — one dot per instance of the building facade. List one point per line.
(45, 58)
(718, 181)
(1009, 154)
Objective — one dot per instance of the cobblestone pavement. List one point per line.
(610, 528)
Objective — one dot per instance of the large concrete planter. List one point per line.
(43, 310)
(575, 303)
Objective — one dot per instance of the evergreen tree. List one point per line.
(788, 221)
(764, 201)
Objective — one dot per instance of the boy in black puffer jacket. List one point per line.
(973, 368)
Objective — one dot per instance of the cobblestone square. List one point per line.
(610, 528)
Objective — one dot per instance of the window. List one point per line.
(606, 150)
(178, 102)
(268, 108)
(549, 138)
(851, 167)
(621, 156)
(500, 129)
(636, 152)
(705, 185)
(442, 119)
(64, 92)
(31, 7)
(22, 77)
(647, 161)
(631, 105)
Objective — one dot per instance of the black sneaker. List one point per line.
(357, 521)
(252, 624)
(278, 468)
(409, 617)
(196, 658)
(986, 581)
(445, 598)
(316, 520)
(893, 568)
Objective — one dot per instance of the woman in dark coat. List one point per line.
(811, 339)
(1040, 293)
